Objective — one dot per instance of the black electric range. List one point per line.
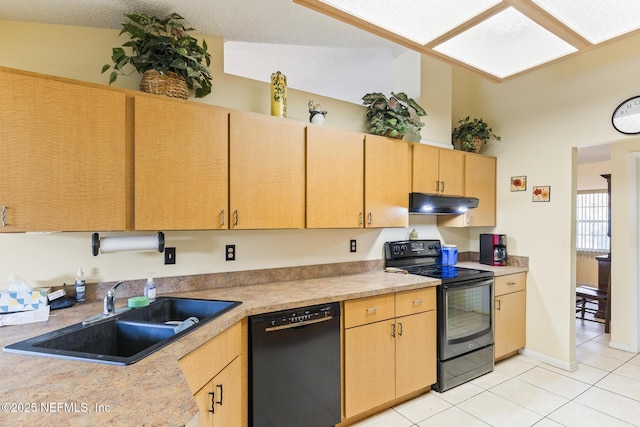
(424, 258)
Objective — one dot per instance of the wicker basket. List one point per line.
(169, 84)
(388, 135)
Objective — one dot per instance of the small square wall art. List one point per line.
(518, 183)
(542, 194)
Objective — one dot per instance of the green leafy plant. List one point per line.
(391, 116)
(163, 45)
(467, 130)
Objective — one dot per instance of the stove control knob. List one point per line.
(404, 248)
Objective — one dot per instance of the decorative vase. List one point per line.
(169, 84)
(278, 94)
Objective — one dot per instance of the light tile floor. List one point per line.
(604, 391)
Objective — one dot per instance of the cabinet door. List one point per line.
(65, 157)
(267, 172)
(181, 165)
(480, 182)
(335, 178)
(227, 396)
(204, 400)
(369, 367)
(425, 175)
(437, 170)
(387, 182)
(510, 318)
(415, 352)
(452, 172)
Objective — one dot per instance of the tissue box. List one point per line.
(23, 300)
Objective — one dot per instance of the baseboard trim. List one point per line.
(567, 366)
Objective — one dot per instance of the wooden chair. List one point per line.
(586, 294)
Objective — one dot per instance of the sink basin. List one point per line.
(127, 337)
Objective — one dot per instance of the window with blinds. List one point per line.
(592, 221)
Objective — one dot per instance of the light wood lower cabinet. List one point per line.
(510, 314)
(219, 400)
(214, 373)
(388, 356)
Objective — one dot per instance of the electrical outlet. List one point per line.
(169, 255)
(230, 253)
(352, 245)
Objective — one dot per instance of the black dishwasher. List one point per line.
(294, 368)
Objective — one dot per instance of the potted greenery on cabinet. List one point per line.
(169, 59)
(391, 116)
(472, 135)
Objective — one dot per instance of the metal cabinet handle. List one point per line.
(372, 310)
(213, 408)
(361, 218)
(418, 301)
(219, 387)
(498, 304)
(512, 283)
(235, 214)
(222, 217)
(437, 186)
(4, 216)
(370, 218)
(400, 329)
(442, 187)
(393, 330)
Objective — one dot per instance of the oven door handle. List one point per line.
(468, 285)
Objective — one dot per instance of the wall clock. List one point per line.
(626, 116)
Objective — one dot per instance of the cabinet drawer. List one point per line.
(509, 283)
(206, 361)
(368, 310)
(416, 301)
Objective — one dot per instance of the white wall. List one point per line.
(541, 117)
(79, 53)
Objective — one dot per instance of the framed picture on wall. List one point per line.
(518, 183)
(542, 193)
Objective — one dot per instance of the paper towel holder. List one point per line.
(158, 244)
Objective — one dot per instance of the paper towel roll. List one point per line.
(128, 243)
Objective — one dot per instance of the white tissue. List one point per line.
(22, 317)
(16, 284)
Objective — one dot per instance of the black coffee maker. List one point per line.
(493, 249)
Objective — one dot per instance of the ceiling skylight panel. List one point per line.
(596, 20)
(505, 44)
(417, 20)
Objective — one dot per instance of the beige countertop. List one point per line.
(49, 391)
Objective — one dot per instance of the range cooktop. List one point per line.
(424, 258)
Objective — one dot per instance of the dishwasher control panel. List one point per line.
(300, 317)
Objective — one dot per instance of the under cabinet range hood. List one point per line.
(428, 204)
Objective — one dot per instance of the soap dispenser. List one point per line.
(80, 286)
(150, 289)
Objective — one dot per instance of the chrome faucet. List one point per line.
(110, 300)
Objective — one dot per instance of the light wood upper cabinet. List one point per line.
(65, 157)
(387, 182)
(181, 165)
(335, 178)
(479, 182)
(267, 172)
(437, 170)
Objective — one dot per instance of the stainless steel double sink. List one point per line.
(126, 337)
